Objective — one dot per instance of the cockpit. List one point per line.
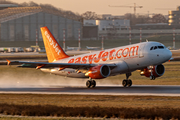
(157, 47)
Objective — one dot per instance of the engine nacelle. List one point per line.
(157, 71)
(99, 72)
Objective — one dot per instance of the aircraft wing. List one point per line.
(38, 65)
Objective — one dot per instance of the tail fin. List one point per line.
(53, 49)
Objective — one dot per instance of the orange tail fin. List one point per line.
(53, 49)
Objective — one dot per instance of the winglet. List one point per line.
(8, 62)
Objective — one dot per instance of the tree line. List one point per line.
(90, 15)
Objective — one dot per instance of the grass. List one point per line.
(91, 100)
(146, 107)
(103, 112)
(43, 118)
(46, 118)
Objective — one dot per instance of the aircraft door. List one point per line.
(141, 51)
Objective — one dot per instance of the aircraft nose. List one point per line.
(167, 54)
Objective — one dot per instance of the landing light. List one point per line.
(142, 72)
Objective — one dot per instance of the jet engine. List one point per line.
(155, 71)
(98, 72)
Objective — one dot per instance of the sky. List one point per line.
(102, 6)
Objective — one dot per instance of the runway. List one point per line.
(154, 90)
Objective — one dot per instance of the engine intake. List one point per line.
(99, 72)
(157, 71)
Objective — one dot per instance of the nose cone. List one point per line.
(167, 54)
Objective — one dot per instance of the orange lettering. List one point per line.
(84, 59)
(118, 53)
(71, 60)
(125, 55)
(111, 54)
(133, 48)
(91, 58)
(104, 56)
(78, 60)
(96, 60)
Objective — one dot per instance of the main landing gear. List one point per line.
(91, 83)
(127, 82)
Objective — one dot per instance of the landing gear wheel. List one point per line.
(129, 83)
(88, 84)
(152, 77)
(124, 83)
(93, 83)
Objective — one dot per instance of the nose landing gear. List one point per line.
(152, 77)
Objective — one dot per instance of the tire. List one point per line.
(124, 83)
(151, 77)
(129, 83)
(93, 83)
(88, 84)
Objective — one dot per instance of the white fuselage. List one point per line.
(127, 58)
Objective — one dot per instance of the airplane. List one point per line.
(145, 56)
(92, 48)
(72, 48)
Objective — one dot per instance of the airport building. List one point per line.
(23, 24)
(108, 24)
(146, 30)
(116, 29)
(174, 17)
(94, 29)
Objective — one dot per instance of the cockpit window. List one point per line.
(161, 47)
(157, 47)
(151, 48)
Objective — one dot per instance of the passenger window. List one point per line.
(160, 47)
(155, 47)
(151, 48)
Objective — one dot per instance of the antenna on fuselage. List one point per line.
(147, 40)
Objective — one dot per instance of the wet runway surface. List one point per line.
(99, 90)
